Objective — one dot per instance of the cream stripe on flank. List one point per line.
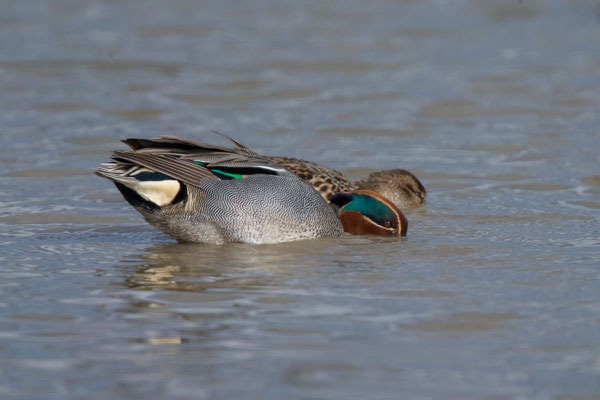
(160, 193)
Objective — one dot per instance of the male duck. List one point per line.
(197, 192)
(398, 185)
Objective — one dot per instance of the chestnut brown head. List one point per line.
(364, 212)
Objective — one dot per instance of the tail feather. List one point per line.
(152, 187)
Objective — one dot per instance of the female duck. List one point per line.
(398, 185)
(197, 192)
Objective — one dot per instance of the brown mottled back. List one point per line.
(325, 180)
(398, 185)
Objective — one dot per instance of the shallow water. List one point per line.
(495, 293)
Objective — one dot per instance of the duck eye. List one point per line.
(387, 224)
(415, 191)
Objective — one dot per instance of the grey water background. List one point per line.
(494, 294)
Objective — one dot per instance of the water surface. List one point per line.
(494, 294)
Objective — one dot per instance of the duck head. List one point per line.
(364, 212)
(400, 186)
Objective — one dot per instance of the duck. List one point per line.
(399, 186)
(199, 192)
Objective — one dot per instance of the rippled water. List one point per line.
(495, 293)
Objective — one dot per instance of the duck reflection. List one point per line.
(222, 298)
(197, 267)
(193, 293)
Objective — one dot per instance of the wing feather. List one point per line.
(191, 161)
(185, 171)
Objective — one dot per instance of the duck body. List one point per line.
(398, 185)
(202, 193)
(257, 209)
(197, 192)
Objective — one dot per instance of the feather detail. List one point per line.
(182, 170)
(160, 193)
(240, 159)
(325, 180)
(151, 186)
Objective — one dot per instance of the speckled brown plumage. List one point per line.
(325, 180)
(398, 185)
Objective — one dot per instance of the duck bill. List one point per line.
(357, 224)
